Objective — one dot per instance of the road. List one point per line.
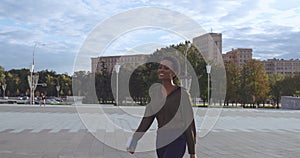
(93, 131)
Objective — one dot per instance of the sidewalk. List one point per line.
(55, 131)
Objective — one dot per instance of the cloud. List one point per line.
(270, 27)
(171, 39)
(270, 42)
(284, 5)
(136, 38)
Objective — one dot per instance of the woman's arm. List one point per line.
(190, 134)
(142, 128)
(188, 115)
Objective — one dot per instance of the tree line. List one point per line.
(17, 83)
(249, 84)
(246, 84)
(141, 79)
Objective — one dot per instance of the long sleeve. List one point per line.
(145, 124)
(190, 131)
(190, 134)
(142, 128)
(150, 113)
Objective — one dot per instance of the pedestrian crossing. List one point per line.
(18, 122)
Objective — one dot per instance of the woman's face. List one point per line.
(165, 71)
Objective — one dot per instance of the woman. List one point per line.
(172, 109)
(43, 100)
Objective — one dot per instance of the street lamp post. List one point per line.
(31, 80)
(186, 79)
(35, 79)
(208, 69)
(117, 69)
(4, 87)
(58, 88)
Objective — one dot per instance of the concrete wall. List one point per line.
(75, 99)
(288, 102)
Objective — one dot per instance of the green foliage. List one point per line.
(84, 85)
(198, 64)
(233, 74)
(283, 86)
(141, 80)
(248, 84)
(103, 87)
(17, 82)
(144, 76)
(275, 92)
(2, 75)
(289, 85)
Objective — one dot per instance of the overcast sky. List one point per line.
(270, 27)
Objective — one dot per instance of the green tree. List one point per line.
(2, 77)
(275, 88)
(233, 74)
(141, 80)
(103, 87)
(289, 85)
(65, 83)
(255, 84)
(48, 77)
(17, 82)
(90, 89)
(11, 87)
(78, 81)
(198, 64)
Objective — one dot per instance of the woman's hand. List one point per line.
(130, 151)
(193, 156)
(131, 145)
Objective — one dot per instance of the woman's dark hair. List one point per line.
(175, 65)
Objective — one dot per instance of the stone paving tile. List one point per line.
(251, 144)
(224, 144)
(50, 132)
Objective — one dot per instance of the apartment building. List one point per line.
(281, 66)
(108, 62)
(238, 56)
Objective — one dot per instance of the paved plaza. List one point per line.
(91, 131)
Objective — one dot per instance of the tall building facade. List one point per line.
(281, 66)
(238, 56)
(210, 45)
(107, 63)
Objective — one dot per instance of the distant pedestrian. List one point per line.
(43, 100)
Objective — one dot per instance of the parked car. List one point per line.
(23, 98)
(52, 101)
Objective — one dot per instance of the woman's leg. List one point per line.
(176, 149)
(160, 152)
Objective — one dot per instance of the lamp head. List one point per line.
(208, 68)
(117, 68)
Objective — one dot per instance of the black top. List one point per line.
(173, 113)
